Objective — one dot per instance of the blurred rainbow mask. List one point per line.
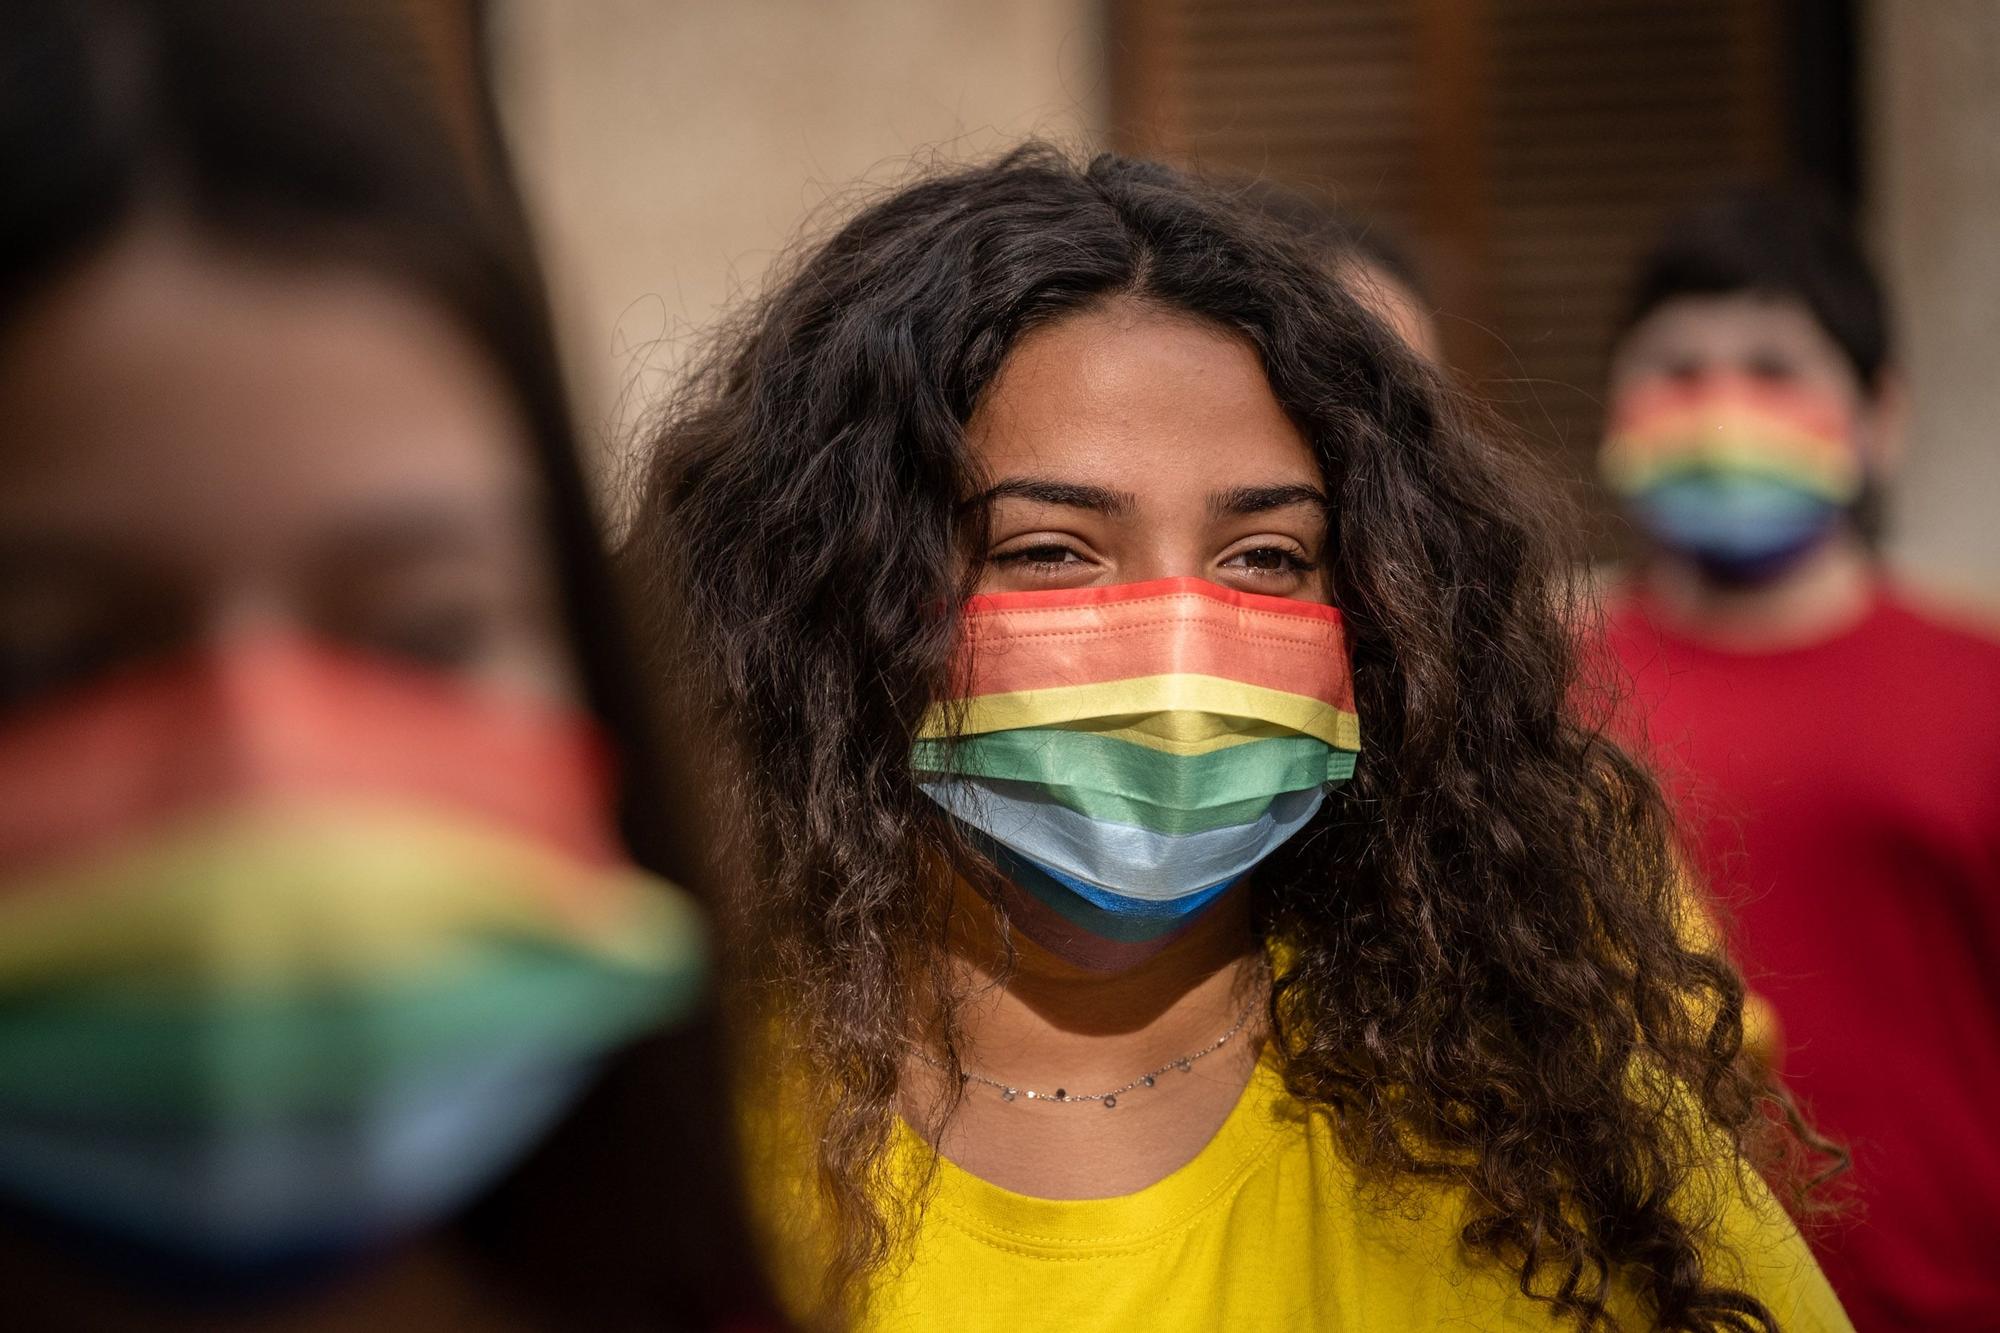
(1738, 474)
(298, 952)
(1125, 755)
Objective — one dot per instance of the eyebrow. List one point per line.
(1069, 494)
(1241, 500)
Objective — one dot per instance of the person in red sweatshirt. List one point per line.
(1832, 745)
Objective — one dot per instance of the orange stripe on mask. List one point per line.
(1033, 641)
(1809, 413)
(277, 721)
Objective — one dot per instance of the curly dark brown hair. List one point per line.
(1485, 975)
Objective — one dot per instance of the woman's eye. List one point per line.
(1046, 556)
(443, 638)
(1271, 560)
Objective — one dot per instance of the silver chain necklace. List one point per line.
(1185, 1064)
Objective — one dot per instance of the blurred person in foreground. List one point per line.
(1184, 896)
(329, 995)
(1833, 745)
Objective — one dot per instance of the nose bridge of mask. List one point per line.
(258, 719)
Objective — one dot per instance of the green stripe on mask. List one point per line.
(1136, 785)
(256, 1054)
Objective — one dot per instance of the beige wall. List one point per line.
(671, 147)
(1933, 97)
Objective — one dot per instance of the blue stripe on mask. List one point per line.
(1112, 864)
(1119, 925)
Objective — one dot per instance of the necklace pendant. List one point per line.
(1148, 1080)
(1060, 1094)
(1110, 1101)
(1007, 1094)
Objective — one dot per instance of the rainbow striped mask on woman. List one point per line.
(298, 951)
(1738, 474)
(1126, 754)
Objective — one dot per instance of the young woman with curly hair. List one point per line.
(1180, 887)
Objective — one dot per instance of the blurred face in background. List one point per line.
(203, 447)
(1740, 435)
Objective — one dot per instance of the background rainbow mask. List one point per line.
(298, 952)
(1736, 473)
(1126, 754)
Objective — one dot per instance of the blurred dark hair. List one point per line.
(1778, 242)
(1335, 237)
(310, 132)
(1482, 981)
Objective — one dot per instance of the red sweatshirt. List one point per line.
(1843, 801)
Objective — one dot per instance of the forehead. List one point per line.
(1732, 326)
(1162, 398)
(178, 391)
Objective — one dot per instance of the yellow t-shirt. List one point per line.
(1264, 1229)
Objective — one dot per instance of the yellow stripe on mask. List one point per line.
(1184, 733)
(1695, 431)
(1628, 470)
(336, 895)
(1173, 707)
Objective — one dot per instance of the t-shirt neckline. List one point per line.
(1067, 1226)
(1664, 628)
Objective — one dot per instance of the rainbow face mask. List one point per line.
(299, 952)
(1740, 475)
(1125, 755)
